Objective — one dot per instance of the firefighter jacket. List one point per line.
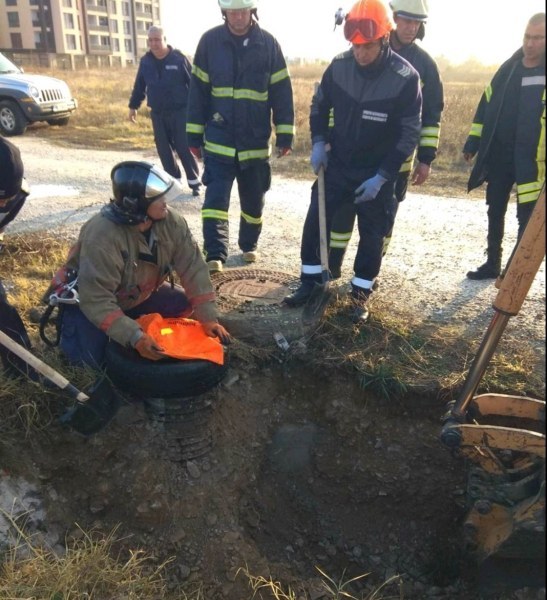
(117, 270)
(235, 95)
(529, 143)
(164, 82)
(373, 112)
(432, 101)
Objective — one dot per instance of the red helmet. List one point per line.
(368, 20)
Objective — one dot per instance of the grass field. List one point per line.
(101, 120)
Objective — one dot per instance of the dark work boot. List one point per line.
(488, 270)
(359, 313)
(301, 295)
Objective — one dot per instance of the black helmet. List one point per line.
(135, 186)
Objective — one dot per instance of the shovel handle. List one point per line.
(47, 371)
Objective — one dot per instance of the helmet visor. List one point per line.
(361, 31)
(157, 183)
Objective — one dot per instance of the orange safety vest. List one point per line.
(182, 338)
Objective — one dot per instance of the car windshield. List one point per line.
(6, 66)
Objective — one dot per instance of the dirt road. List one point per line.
(436, 241)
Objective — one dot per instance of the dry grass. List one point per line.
(101, 119)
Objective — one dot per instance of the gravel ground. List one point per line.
(436, 241)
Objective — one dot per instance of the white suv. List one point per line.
(26, 99)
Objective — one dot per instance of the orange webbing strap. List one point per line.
(181, 338)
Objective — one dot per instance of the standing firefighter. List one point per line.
(239, 83)
(371, 98)
(164, 78)
(508, 137)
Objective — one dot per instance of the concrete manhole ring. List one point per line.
(251, 307)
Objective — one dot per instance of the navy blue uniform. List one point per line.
(165, 83)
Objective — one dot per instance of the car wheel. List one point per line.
(12, 120)
(61, 122)
(167, 378)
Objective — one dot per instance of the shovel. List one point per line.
(321, 294)
(91, 412)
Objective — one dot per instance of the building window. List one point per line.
(70, 41)
(113, 7)
(115, 45)
(141, 26)
(67, 3)
(126, 27)
(92, 20)
(113, 26)
(69, 21)
(105, 41)
(103, 21)
(13, 19)
(125, 9)
(101, 3)
(11, 2)
(128, 45)
(38, 40)
(94, 40)
(148, 9)
(35, 17)
(16, 40)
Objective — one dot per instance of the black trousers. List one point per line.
(170, 138)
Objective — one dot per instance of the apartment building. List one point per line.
(115, 28)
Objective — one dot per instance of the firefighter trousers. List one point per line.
(170, 138)
(253, 181)
(374, 220)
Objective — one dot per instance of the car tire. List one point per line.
(12, 120)
(62, 122)
(168, 378)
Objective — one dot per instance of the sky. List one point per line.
(486, 30)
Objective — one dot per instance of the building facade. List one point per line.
(110, 28)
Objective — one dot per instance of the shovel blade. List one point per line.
(94, 414)
(316, 305)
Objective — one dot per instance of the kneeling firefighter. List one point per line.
(121, 263)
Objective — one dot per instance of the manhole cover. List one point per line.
(251, 306)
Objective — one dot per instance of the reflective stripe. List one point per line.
(339, 240)
(429, 137)
(202, 75)
(407, 165)
(211, 213)
(488, 93)
(222, 92)
(331, 118)
(195, 128)
(385, 245)
(311, 269)
(252, 154)
(251, 220)
(279, 76)
(289, 129)
(364, 284)
(529, 192)
(476, 129)
(250, 95)
(218, 149)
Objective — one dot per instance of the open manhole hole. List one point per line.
(251, 307)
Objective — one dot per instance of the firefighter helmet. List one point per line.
(416, 10)
(135, 185)
(367, 21)
(237, 4)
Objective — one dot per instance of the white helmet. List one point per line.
(237, 4)
(410, 9)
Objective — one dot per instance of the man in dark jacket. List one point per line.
(371, 98)
(508, 137)
(240, 84)
(164, 78)
(13, 188)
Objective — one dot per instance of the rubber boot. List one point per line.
(359, 313)
(491, 269)
(301, 295)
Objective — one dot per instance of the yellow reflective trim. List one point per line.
(289, 129)
(251, 220)
(210, 213)
(338, 244)
(335, 235)
(194, 128)
(488, 93)
(218, 149)
(428, 142)
(166, 331)
(430, 131)
(279, 76)
(476, 129)
(201, 75)
(244, 94)
(534, 186)
(222, 92)
(253, 154)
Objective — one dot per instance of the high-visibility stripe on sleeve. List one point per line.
(285, 129)
(429, 137)
(200, 74)
(279, 76)
(476, 129)
(529, 192)
(488, 93)
(195, 128)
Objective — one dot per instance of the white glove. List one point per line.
(319, 156)
(369, 189)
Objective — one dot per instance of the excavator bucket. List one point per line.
(503, 436)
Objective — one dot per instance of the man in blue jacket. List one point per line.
(508, 137)
(164, 78)
(367, 108)
(240, 84)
